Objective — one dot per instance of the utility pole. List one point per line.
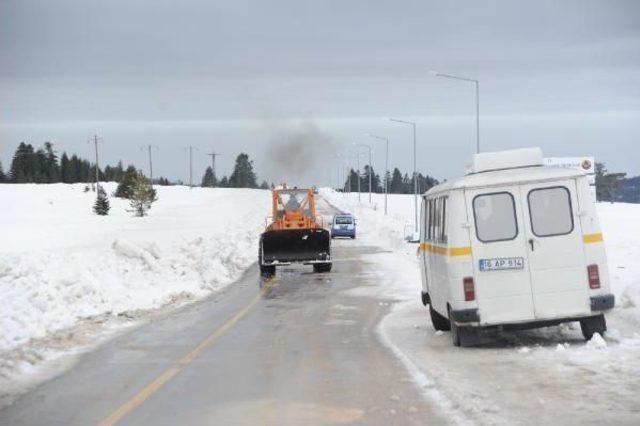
(95, 141)
(191, 148)
(213, 156)
(149, 148)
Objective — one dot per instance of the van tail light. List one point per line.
(469, 289)
(594, 276)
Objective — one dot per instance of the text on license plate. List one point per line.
(501, 263)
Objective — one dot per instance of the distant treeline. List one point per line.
(43, 165)
(397, 182)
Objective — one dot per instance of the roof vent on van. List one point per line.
(501, 160)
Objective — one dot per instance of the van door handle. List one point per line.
(531, 243)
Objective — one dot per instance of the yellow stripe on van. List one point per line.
(459, 251)
(592, 238)
(448, 251)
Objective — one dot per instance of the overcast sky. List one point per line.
(294, 83)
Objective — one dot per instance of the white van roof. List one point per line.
(488, 173)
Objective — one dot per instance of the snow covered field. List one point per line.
(528, 377)
(61, 266)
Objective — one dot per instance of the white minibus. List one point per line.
(513, 245)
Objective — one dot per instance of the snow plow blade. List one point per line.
(295, 245)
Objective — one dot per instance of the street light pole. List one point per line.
(477, 83)
(386, 166)
(415, 171)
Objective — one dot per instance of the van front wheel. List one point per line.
(593, 325)
(439, 322)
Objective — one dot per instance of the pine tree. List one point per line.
(243, 175)
(375, 180)
(396, 184)
(51, 167)
(224, 182)
(125, 187)
(65, 169)
(3, 177)
(101, 206)
(142, 195)
(22, 170)
(264, 185)
(208, 180)
(353, 180)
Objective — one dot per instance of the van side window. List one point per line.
(431, 221)
(443, 231)
(495, 217)
(436, 219)
(423, 219)
(550, 211)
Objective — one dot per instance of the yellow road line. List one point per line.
(165, 377)
(592, 238)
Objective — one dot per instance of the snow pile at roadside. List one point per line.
(621, 227)
(60, 264)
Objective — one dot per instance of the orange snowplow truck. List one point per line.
(294, 234)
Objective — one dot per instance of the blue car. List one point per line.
(343, 225)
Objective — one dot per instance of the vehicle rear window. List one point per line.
(495, 217)
(343, 220)
(550, 211)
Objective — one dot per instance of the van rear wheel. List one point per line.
(439, 322)
(593, 325)
(462, 336)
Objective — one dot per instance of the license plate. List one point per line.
(501, 263)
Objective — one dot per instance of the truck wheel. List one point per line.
(593, 325)
(267, 270)
(439, 322)
(322, 267)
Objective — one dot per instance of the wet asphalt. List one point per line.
(298, 349)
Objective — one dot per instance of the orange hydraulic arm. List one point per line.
(293, 209)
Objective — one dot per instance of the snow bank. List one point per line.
(60, 264)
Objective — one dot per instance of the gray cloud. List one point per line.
(67, 65)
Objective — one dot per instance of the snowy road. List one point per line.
(301, 349)
(353, 346)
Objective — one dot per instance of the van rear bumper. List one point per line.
(599, 303)
(603, 302)
(465, 316)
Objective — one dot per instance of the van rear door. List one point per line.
(499, 250)
(555, 249)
